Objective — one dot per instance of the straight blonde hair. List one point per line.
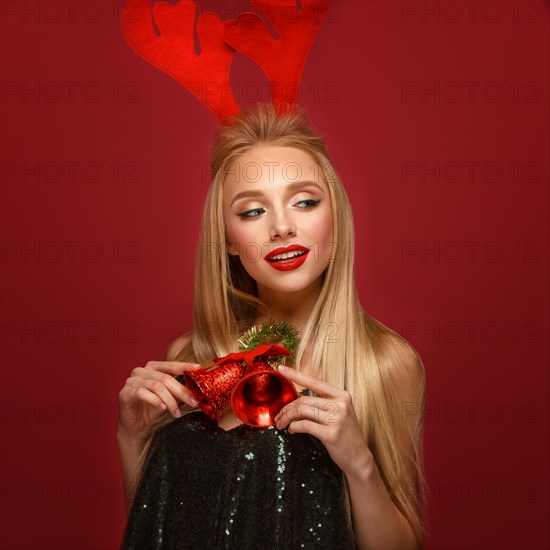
(351, 350)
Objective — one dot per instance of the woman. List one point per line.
(360, 414)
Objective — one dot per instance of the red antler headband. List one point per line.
(207, 75)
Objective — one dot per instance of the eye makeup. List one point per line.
(312, 203)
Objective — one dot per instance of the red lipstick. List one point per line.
(290, 263)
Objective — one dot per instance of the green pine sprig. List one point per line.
(271, 333)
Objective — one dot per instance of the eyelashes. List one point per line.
(310, 204)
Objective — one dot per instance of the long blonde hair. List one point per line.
(350, 349)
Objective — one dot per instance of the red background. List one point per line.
(476, 307)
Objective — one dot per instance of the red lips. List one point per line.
(282, 250)
(290, 264)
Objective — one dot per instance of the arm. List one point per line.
(370, 500)
(130, 450)
(372, 505)
(131, 447)
(378, 524)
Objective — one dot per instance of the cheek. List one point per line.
(232, 228)
(325, 226)
(238, 234)
(243, 236)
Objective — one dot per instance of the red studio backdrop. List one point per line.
(436, 115)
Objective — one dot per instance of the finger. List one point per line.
(158, 388)
(176, 388)
(299, 406)
(320, 387)
(172, 367)
(321, 411)
(307, 427)
(143, 394)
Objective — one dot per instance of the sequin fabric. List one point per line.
(245, 488)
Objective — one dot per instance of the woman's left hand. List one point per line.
(330, 417)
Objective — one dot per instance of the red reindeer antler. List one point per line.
(205, 75)
(282, 60)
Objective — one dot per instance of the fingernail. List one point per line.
(282, 368)
(193, 401)
(178, 413)
(162, 406)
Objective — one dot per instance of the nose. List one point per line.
(282, 228)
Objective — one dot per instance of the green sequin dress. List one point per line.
(245, 488)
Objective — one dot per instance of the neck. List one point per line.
(290, 307)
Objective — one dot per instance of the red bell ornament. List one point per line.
(260, 394)
(212, 387)
(257, 391)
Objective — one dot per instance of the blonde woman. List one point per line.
(343, 466)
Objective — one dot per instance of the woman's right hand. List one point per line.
(148, 392)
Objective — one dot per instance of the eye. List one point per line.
(247, 213)
(310, 203)
(255, 212)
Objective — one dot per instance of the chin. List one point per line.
(296, 285)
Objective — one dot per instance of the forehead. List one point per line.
(269, 164)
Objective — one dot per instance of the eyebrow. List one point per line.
(290, 187)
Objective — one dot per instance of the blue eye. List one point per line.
(311, 202)
(255, 212)
(246, 213)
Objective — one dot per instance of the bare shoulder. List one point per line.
(175, 348)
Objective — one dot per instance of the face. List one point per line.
(275, 198)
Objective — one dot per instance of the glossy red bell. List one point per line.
(212, 387)
(260, 394)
